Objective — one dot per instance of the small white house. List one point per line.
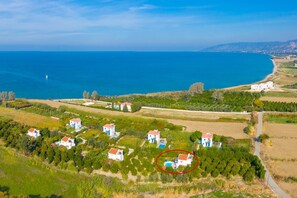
(116, 154)
(153, 136)
(67, 142)
(109, 129)
(262, 86)
(206, 140)
(33, 132)
(184, 160)
(128, 104)
(75, 123)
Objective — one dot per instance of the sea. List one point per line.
(55, 75)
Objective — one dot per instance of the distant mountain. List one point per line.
(276, 47)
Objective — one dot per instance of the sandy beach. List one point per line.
(275, 67)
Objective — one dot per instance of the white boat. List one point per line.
(46, 77)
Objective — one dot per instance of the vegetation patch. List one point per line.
(30, 119)
(281, 118)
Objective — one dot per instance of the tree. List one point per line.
(78, 159)
(136, 106)
(11, 95)
(215, 173)
(153, 177)
(258, 103)
(218, 96)
(88, 95)
(114, 168)
(43, 151)
(249, 175)
(95, 95)
(88, 164)
(166, 178)
(3, 96)
(125, 108)
(57, 158)
(263, 137)
(182, 178)
(71, 153)
(196, 88)
(50, 154)
(85, 94)
(64, 156)
(97, 164)
(195, 136)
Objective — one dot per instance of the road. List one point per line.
(269, 180)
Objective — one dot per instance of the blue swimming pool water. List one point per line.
(168, 164)
(162, 146)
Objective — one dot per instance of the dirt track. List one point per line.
(232, 129)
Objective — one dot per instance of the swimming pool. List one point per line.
(162, 146)
(168, 163)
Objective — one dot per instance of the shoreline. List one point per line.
(274, 70)
(267, 77)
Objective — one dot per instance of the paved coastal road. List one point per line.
(269, 180)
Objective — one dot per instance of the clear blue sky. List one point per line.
(142, 24)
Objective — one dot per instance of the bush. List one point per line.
(215, 173)
(195, 136)
(263, 137)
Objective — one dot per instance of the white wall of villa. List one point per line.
(153, 136)
(116, 154)
(33, 133)
(75, 123)
(262, 86)
(109, 129)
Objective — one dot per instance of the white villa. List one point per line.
(109, 129)
(128, 104)
(153, 135)
(183, 160)
(116, 154)
(33, 133)
(67, 142)
(262, 86)
(75, 123)
(206, 140)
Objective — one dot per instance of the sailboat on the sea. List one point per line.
(46, 77)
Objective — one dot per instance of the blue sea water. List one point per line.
(116, 73)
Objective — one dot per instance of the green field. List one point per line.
(27, 176)
(281, 94)
(222, 194)
(130, 141)
(281, 118)
(30, 119)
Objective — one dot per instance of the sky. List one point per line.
(142, 25)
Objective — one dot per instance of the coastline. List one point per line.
(274, 70)
(267, 77)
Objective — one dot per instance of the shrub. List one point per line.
(263, 137)
(195, 136)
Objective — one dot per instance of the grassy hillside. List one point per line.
(30, 119)
(24, 176)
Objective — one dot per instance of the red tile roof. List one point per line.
(113, 151)
(76, 120)
(109, 126)
(183, 157)
(154, 132)
(31, 130)
(65, 139)
(207, 135)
